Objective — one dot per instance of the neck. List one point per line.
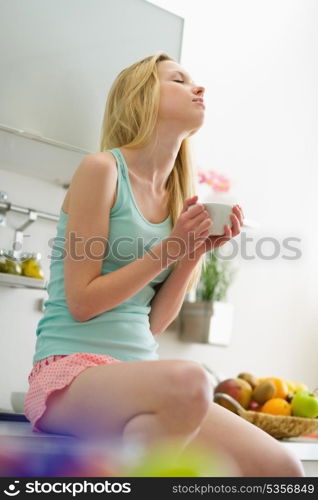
(154, 162)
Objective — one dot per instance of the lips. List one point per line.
(199, 101)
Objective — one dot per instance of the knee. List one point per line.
(190, 388)
(285, 464)
(291, 465)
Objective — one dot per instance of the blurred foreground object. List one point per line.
(62, 457)
(166, 460)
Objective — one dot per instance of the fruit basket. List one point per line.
(276, 425)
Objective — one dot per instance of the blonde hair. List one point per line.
(130, 119)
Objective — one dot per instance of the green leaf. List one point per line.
(216, 277)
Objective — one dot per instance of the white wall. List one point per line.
(258, 62)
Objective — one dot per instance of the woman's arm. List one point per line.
(125, 282)
(167, 303)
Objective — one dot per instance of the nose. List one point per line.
(199, 90)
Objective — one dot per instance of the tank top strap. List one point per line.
(122, 166)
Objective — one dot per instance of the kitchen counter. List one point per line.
(306, 449)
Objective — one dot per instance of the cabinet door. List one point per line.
(59, 59)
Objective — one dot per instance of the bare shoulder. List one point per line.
(100, 164)
(99, 161)
(95, 168)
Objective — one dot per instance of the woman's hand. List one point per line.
(191, 228)
(212, 242)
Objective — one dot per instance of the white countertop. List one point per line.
(305, 448)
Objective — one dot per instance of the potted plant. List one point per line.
(197, 314)
(216, 277)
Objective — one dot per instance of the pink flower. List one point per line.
(202, 177)
(217, 182)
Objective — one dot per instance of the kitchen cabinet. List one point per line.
(58, 61)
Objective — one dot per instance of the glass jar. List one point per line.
(8, 264)
(31, 265)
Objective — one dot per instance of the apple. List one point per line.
(238, 388)
(305, 404)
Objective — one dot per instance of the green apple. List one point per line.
(305, 404)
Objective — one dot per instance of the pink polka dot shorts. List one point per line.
(53, 374)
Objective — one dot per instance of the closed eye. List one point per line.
(180, 81)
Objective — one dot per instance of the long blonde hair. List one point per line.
(130, 119)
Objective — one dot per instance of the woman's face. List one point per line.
(177, 94)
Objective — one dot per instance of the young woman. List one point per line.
(133, 238)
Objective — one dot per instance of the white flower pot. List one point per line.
(206, 322)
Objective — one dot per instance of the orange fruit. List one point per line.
(281, 387)
(276, 406)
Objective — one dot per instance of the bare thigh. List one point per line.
(102, 399)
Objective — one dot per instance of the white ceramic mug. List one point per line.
(220, 215)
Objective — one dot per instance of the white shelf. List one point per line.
(16, 281)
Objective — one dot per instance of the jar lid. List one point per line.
(23, 256)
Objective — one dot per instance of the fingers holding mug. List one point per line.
(188, 202)
(237, 210)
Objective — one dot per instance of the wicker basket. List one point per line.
(277, 426)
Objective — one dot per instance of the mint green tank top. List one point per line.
(123, 331)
